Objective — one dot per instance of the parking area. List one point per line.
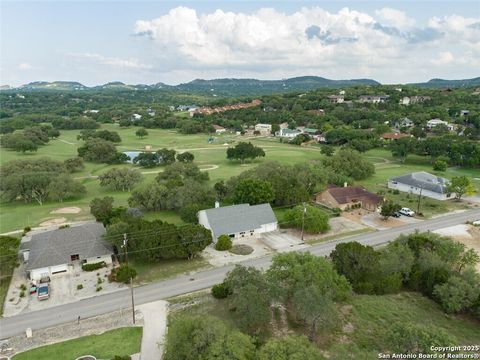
(375, 220)
(283, 240)
(71, 286)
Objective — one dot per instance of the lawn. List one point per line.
(370, 317)
(124, 341)
(149, 272)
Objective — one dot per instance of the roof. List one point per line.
(55, 247)
(218, 127)
(289, 131)
(236, 218)
(393, 136)
(424, 181)
(345, 195)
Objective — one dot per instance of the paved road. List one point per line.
(184, 284)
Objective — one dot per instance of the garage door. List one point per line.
(58, 269)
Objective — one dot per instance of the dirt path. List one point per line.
(67, 142)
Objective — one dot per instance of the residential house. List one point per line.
(284, 125)
(394, 136)
(263, 129)
(238, 221)
(336, 99)
(414, 100)
(151, 112)
(405, 122)
(423, 183)
(52, 252)
(373, 99)
(464, 112)
(287, 133)
(136, 117)
(348, 197)
(219, 129)
(435, 122)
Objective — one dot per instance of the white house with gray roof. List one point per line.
(52, 252)
(429, 185)
(238, 221)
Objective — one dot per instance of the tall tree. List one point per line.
(253, 192)
(141, 133)
(243, 151)
(461, 185)
(122, 179)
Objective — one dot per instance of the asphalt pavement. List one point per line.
(103, 304)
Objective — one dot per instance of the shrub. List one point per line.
(79, 287)
(440, 165)
(26, 229)
(121, 357)
(241, 249)
(93, 266)
(99, 280)
(64, 226)
(221, 291)
(122, 274)
(23, 287)
(99, 288)
(22, 294)
(223, 243)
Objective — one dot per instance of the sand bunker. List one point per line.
(67, 210)
(53, 222)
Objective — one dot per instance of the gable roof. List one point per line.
(236, 218)
(394, 136)
(55, 247)
(424, 181)
(345, 195)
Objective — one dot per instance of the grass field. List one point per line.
(124, 341)
(17, 215)
(370, 317)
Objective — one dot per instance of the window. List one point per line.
(74, 257)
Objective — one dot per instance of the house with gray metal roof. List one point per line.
(51, 252)
(238, 221)
(423, 183)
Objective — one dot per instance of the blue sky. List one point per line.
(158, 41)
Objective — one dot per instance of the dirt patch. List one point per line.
(67, 210)
(466, 234)
(53, 222)
(390, 222)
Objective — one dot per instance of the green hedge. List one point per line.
(93, 266)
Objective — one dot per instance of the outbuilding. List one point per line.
(238, 221)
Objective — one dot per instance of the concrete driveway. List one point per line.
(282, 241)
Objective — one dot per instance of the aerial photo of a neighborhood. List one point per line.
(239, 180)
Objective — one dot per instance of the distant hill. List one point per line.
(236, 87)
(254, 86)
(442, 83)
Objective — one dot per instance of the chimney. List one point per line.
(217, 204)
(345, 184)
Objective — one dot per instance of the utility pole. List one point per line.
(419, 198)
(125, 244)
(304, 210)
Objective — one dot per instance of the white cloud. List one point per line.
(111, 61)
(395, 17)
(24, 66)
(444, 58)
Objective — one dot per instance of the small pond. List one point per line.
(132, 155)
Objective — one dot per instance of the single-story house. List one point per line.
(405, 122)
(263, 129)
(428, 185)
(336, 99)
(348, 197)
(219, 129)
(238, 221)
(435, 122)
(287, 133)
(394, 136)
(52, 252)
(373, 99)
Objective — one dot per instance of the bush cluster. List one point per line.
(93, 266)
(223, 243)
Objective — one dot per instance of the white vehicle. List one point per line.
(406, 212)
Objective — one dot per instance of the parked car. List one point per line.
(396, 214)
(43, 292)
(406, 212)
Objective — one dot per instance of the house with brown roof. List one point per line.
(348, 197)
(394, 136)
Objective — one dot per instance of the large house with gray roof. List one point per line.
(52, 252)
(238, 221)
(428, 185)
